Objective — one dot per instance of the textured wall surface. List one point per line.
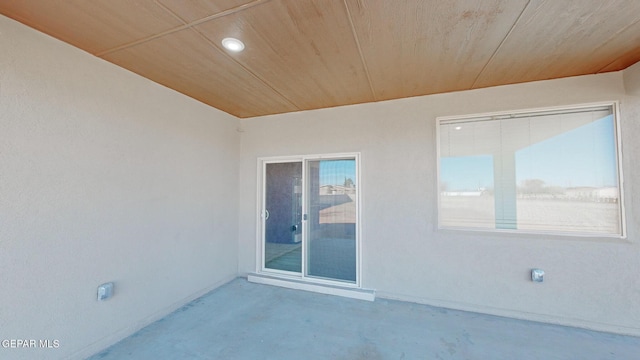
(104, 176)
(590, 282)
(632, 80)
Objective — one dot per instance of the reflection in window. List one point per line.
(332, 219)
(466, 186)
(543, 171)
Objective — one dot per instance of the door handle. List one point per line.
(266, 214)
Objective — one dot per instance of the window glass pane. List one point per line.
(283, 217)
(573, 172)
(540, 171)
(466, 188)
(332, 219)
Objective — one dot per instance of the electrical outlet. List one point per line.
(537, 275)
(105, 291)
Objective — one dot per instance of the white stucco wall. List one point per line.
(632, 80)
(104, 176)
(591, 283)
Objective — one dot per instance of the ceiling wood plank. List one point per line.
(423, 47)
(184, 26)
(311, 54)
(187, 63)
(623, 62)
(93, 26)
(303, 49)
(364, 62)
(564, 38)
(191, 11)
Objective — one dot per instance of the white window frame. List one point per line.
(555, 109)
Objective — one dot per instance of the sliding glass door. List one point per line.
(283, 216)
(331, 229)
(310, 217)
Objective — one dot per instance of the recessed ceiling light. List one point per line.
(458, 127)
(232, 44)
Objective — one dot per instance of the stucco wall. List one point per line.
(104, 176)
(590, 283)
(632, 80)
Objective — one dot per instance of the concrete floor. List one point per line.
(241, 320)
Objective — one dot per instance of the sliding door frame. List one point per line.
(260, 217)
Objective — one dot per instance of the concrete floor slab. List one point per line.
(243, 320)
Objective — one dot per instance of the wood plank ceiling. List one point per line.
(310, 54)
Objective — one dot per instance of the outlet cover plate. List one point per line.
(537, 275)
(105, 291)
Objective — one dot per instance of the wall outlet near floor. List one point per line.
(105, 291)
(537, 275)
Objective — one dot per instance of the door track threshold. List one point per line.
(301, 284)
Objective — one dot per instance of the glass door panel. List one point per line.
(332, 213)
(283, 216)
